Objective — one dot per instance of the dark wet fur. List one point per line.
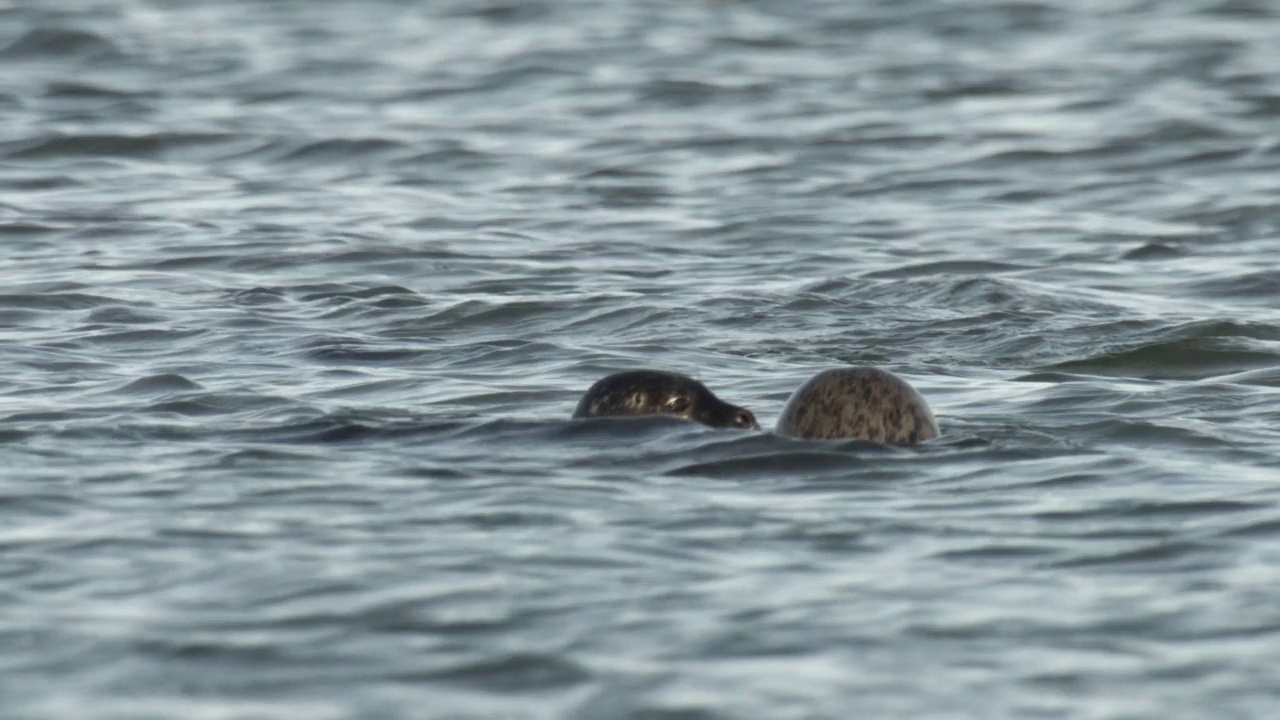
(858, 403)
(654, 392)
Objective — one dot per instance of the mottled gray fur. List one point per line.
(858, 403)
(654, 392)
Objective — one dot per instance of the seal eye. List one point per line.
(678, 404)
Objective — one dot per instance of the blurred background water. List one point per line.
(296, 299)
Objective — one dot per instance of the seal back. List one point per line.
(861, 403)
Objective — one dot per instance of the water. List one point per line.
(297, 297)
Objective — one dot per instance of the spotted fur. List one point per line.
(858, 403)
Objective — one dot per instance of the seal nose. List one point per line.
(744, 419)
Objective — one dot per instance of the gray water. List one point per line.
(296, 299)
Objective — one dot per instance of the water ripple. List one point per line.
(299, 298)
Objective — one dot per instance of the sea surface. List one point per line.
(296, 299)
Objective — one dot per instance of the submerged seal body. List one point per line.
(654, 392)
(858, 403)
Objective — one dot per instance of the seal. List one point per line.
(655, 392)
(861, 403)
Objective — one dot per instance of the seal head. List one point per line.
(654, 392)
(858, 403)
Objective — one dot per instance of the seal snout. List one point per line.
(743, 418)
